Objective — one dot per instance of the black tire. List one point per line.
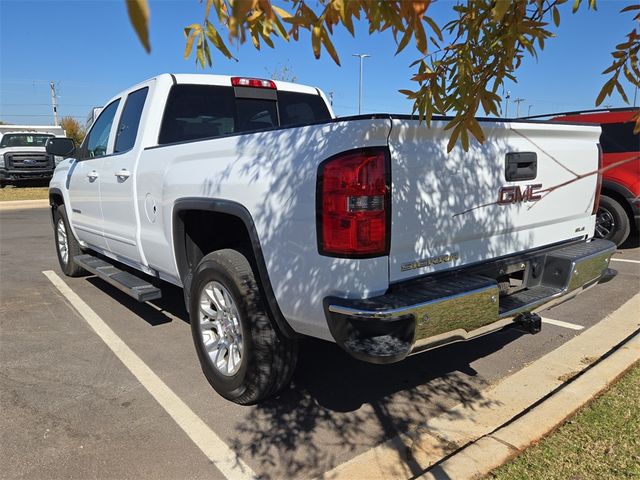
(268, 359)
(612, 221)
(67, 265)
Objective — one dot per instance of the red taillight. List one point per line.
(596, 200)
(252, 82)
(354, 204)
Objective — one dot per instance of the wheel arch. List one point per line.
(620, 194)
(191, 244)
(56, 199)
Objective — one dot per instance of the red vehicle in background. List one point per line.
(619, 210)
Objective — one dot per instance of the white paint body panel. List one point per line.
(429, 187)
(273, 174)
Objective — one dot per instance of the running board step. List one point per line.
(130, 284)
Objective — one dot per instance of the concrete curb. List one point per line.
(480, 435)
(493, 450)
(23, 204)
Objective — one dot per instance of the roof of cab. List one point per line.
(225, 80)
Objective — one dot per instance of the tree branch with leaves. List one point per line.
(460, 66)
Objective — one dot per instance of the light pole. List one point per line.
(362, 56)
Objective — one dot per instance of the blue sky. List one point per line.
(90, 50)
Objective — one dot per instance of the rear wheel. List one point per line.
(612, 221)
(244, 358)
(67, 246)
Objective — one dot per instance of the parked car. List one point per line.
(619, 211)
(22, 153)
(279, 221)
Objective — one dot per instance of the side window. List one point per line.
(619, 138)
(96, 143)
(130, 120)
(301, 108)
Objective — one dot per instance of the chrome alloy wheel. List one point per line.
(220, 328)
(63, 242)
(605, 223)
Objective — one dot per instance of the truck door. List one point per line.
(84, 181)
(117, 183)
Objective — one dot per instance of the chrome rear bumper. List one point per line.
(437, 310)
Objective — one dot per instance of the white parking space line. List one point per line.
(625, 260)
(560, 323)
(206, 439)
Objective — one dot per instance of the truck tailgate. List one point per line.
(432, 190)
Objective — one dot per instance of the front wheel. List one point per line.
(244, 358)
(67, 246)
(612, 221)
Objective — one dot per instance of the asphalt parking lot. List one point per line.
(71, 409)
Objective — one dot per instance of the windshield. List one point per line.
(24, 140)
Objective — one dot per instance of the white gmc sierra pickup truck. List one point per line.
(279, 220)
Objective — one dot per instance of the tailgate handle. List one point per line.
(520, 166)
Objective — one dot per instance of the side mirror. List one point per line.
(63, 147)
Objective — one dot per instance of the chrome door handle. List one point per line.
(123, 174)
(92, 175)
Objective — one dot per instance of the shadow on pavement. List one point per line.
(632, 241)
(338, 406)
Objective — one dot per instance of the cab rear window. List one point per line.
(619, 138)
(206, 111)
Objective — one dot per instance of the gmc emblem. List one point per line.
(508, 195)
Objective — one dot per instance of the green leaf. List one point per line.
(214, 37)
(200, 52)
(280, 28)
(556, 16)
(576, 5)
(283, 13)
(139, 17)
(405, 39)
(606, 90)
(632, 80)
(326, 41)
(621, 92)
(207, 52)
(476, 130)
(454, 136)
(316, 33)
(434, 26)
(500, 9)
(421, 38)
(189, 46)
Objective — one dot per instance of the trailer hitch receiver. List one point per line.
(528, 322)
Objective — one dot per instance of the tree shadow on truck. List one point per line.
(339, 406)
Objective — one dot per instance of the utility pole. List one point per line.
(518, 101)
(54, 103)
(362, 56)
(529, 111)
